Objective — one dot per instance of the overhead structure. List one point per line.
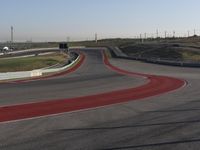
(64, 47)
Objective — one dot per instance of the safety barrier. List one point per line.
(119, 54)
(34, 73)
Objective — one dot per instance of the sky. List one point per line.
(59, 20)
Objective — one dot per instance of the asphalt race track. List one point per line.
(107, 109)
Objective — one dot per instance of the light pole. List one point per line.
(194, 32)
(174, 34)
(11, 34)
(157, 33)
(96, 37)
(165, 34)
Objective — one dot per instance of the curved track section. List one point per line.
(156, 85)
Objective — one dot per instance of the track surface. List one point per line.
(136, 124)
(156, 85)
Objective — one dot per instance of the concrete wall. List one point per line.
(33, 73)
(119, 54)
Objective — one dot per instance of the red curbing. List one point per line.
(156, 85)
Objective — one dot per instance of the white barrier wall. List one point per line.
(34, 73)
(14, 75)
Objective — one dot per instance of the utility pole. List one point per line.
(96, 37)
(157, 33)
(188, 33)
(141, 39)
(194, 32)
(165, 34)
(11, 38)
(145, 35)
(174, 34)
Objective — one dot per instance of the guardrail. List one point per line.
(161, 61)
(59, 69)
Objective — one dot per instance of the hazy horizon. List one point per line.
(51, 20)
